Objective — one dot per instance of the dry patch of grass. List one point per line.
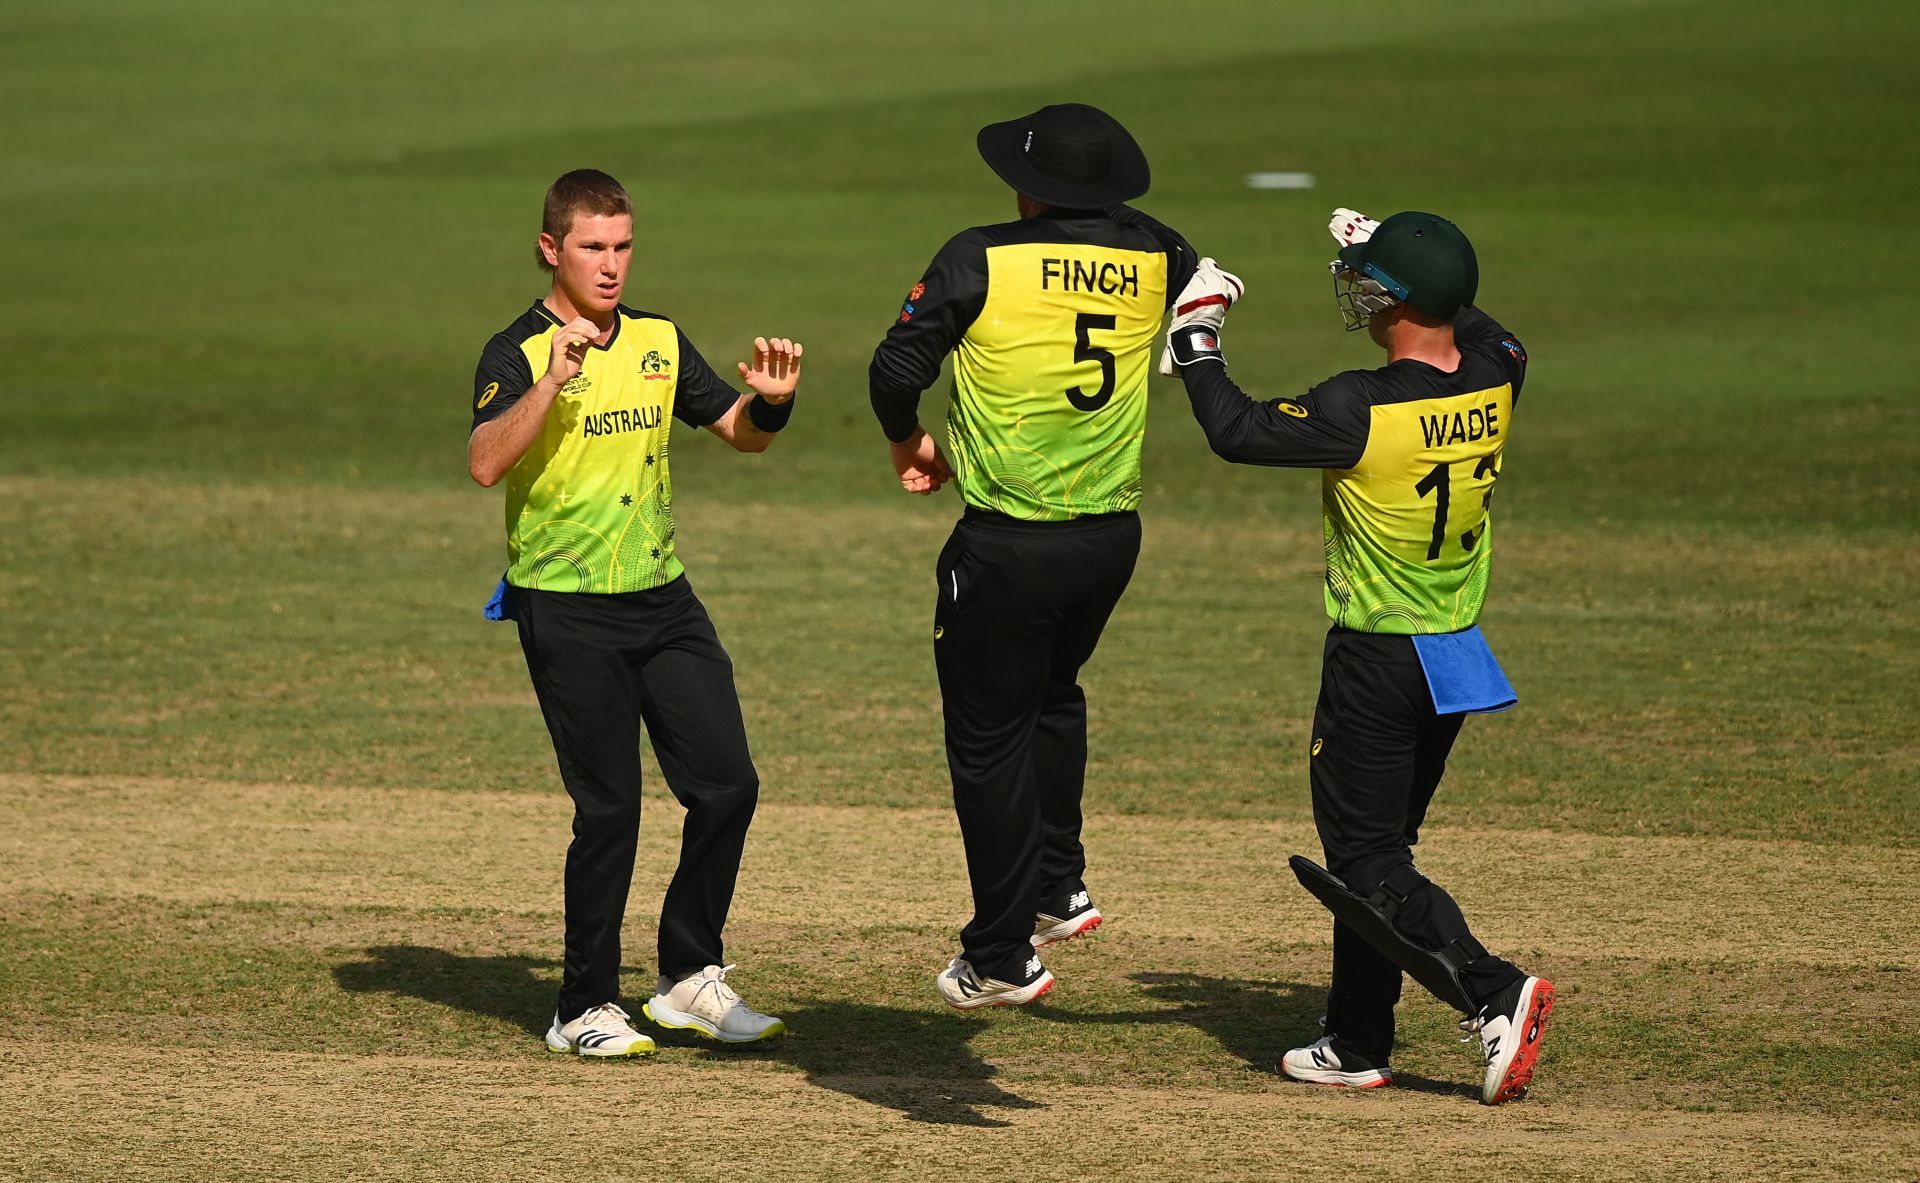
(293, 960)
(1531, 891)
(108, 1112)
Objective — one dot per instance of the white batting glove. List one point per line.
(1198, 315)
(1350, 226)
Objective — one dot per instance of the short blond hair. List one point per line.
(584, 190)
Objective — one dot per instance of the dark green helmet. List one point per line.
(1421, 259)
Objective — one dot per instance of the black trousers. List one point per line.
(1377, 756)
(1020, 609)
(601, 664)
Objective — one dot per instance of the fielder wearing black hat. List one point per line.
(1068, 155)
(1050, 320)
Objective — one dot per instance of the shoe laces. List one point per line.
(725, 995)
(608, 1013)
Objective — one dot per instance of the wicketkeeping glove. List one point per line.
(1198, 314)
(1350, 226)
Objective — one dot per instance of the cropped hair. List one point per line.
(582, 191)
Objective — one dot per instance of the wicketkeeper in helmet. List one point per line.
(1410, 452)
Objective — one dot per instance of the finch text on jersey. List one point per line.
(1477, 423)
(1075, 275)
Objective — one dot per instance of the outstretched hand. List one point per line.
(776, 368)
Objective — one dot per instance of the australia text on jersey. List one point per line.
(617, 421)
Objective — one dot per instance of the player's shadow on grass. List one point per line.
(516, 990)
(914, 1061)
(1256, 1021)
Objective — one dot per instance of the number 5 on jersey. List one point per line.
(1084, 350)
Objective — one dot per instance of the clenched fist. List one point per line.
(570, 344)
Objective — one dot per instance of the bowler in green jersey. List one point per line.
(1410, 454)
(572, 407)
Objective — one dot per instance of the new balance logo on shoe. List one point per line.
(1318, 1063)
(965, 989)
(1510, 1032)
(1063, 918)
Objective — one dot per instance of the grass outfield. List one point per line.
(279, 891)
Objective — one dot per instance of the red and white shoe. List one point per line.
(963, 989)
(1321, 1063)
(1510, 1038)
(1064, 918)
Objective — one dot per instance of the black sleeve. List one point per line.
(1324, 428)
(700, 397)
(1475, 330)
(936, 314)
(1182, 259)
(501, 378)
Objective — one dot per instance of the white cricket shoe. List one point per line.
(602, 1033)
(1510, 1040)
(963, 989)
(703, 1002)
(1064, 918)
(1320, 1063)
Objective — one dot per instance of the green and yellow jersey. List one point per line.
(590, 505)
(1410, 455)
(1051, 322)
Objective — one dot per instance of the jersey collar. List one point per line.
(619, 311)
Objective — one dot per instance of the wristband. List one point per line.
(769, 417)
(1195, 343)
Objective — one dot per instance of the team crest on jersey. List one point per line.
(654, 368)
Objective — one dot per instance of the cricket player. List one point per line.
(1051, 320)
(1410, 453)
(572, 406)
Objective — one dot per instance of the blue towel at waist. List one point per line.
(496, 608)
(1462, 674)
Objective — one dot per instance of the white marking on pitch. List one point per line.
(1279, 180)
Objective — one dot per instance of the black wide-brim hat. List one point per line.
(1068, 154)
